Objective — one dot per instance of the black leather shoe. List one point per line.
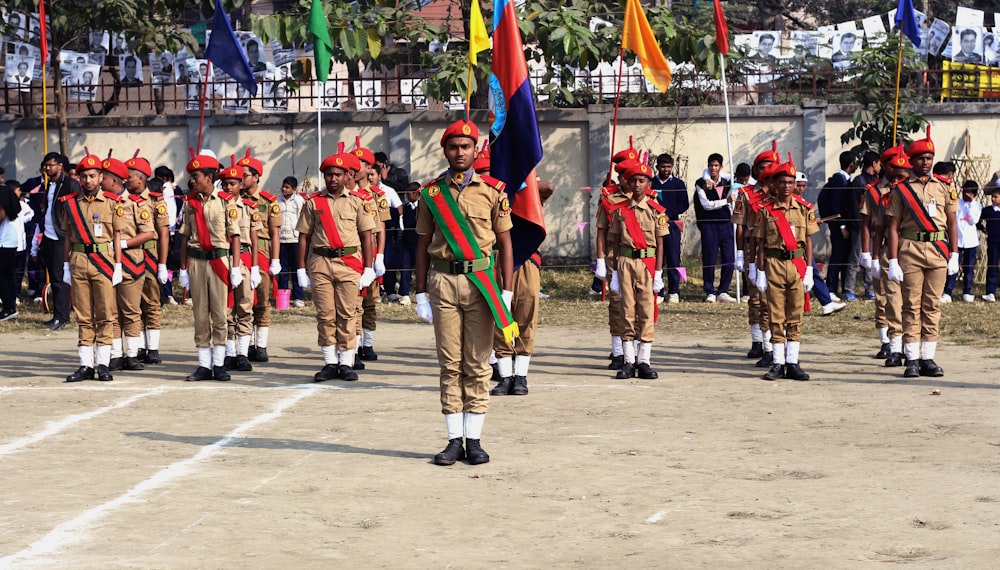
(103, 374)
(895, 359)
(358, 364)
(49, 322)
(756, 350)
(765, 361)
(912, 369)
(55, 324)
(776, 372)
(219, 373)
(645, 372)
(475, 453)
(329, 372)
(795, 372)
(152, 357)
(617, 362)
(520, 386)
(242, 364)
(201, 373)
(452, 453)
(930, 368)
(347, 373)
(367, 353)
(496, 372)
(229, 363)
(504, 387)
(132, 363)
(252, 353)
(116, 364)
(627, 371)
(141, 355)
(259, 355)
(82, 373)
(884, 351)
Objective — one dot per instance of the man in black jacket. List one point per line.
(871, 168)
(55, 167)
(837, 197)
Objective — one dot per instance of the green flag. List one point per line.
(322, 46)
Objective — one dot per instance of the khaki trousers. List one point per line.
(128, 295)
(93, 301)
(335, 294)
(888, 302)
(463, 331)
(209, 298)
(924, 274)
(785, 300)
(152, 311)
(240, 321)
(638, 300)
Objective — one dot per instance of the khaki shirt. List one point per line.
(221, 216)
(96, 209)
(653, 223)
(137, 217)
(801, 218)
(603, 221)
(161, 217)
(743, 213)
(929, 190)
(484, 207)
(875, 219)
(270, 213)
(249, 220)
(381, 202)
(351, 214)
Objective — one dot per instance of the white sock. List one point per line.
(635, 346)
(262, 337)
(243, 345)
(883, 334)
(368, 338)
(103, 354)
(642, 355)
(132, 345)
(86, 356)
(928, 349)
(616, 346)
(792, 352)
(628, 348)
(346, 357)
(521, 364)
(911, 350)
(493, 357)
(218, 355)
(231, 347)
(116, 348)
(896, 344)
(505, 366)
(142, 338)
(474, 425)
(779, 352)
(153, 339)
(756, 335)
(330, 354)
(454, 423)
(767, 341)
(205, 357)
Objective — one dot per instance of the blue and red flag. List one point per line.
(515, 145)
(224, 51)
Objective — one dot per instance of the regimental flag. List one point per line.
(638, 38)
(322, 45)
(44, 35)
(906, 20)
(479, 40)
(224, 51)
(721, 29)
(515, 145)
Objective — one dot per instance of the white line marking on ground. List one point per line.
(75, 530)
(656, 517)
(55, 427)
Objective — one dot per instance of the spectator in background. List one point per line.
(56, 168)
(744, 176)
(291, 203)
(391, 175)
(401, 253)
(989, 223)
(871, 169)
(24, 237)
(837, 199)
(11, 241)
(969, 212)
(672, 194)
(164, 177)
(713, 207)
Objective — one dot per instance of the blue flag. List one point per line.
(224, 51)
(906, 20)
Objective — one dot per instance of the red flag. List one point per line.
(44, 35)
(721, 30)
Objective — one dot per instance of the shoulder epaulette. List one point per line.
(803, 201)
(432, 182)
(268, 196)
(872, 185)
(378, 190)
(69, 197)
(250, 203)
(313, 195)
(944, 179)
(112, 196)
(136, 198)
(656, 206)
(156, 195)
(494, 182)
(225, 195)
(361, 194)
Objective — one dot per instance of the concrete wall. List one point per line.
(577, 144)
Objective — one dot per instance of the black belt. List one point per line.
(244, 248)
(208, 255)
(92, 248)
(462, 267)
(775, 253)
(923, 236)
(333, 252)
(633, 253)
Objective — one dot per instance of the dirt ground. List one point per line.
(709, 466)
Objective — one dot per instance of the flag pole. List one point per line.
(614, 122)
(899, 73)
(45, 105)
(729, 149)
(204, 95)
(319, 132)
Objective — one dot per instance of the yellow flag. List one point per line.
(478, 39)
(638, 38)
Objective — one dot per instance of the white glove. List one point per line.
(379, 265)
(601, 270)
(875, 269)
(807, 280)
(185, 281)
(424, 308)
(953, 264)
(367, 276)
(508, 298)
(303, 276)
(895, 271)
(255, 277)
(124, 244)
(739, 260)
(615, 286)
(161, 274)
(116, 277)
(67, 274)
(761, 282)
(866, 261)
(658, 281)
(275, 267)
(752, 273)
(235, 277)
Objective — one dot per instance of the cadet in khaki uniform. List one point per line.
(209, 223)
(136, 230)
(92, 250)
(350, 182)
(447, 296)
(784, 268)
(240, 322)
(271, 219)
(155, 253)
(923, 250)
(639, 229)
(874, 258)
(335, 257)
(366, 160)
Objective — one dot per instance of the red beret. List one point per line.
(252, 163)
(890, 154)
(231, 173)
(461, 128)
(768, 170)
(116, 167)
(351, 161)
(335, 161)
(623, 166)
(638, 169)
(89, 162)
(769, 155)
(900, 160)
(784, 169)
(921, 146)
(139, 164)
(202, 161)
(623, 155)
(482, 162)
(365, 155)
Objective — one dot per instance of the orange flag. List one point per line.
(638, 38)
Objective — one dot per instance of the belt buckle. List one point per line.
(337, 252)
(466, 266)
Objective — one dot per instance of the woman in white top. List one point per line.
(969, 211)
(13, 213)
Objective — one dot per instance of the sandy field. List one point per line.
(707, 467)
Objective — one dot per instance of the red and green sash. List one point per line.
(322, 205)
(787, 236)
(639, 242)
(924, 222)
(98, 259)
(611, 207)
(755, 198)
(205, 242)
(456, 231)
